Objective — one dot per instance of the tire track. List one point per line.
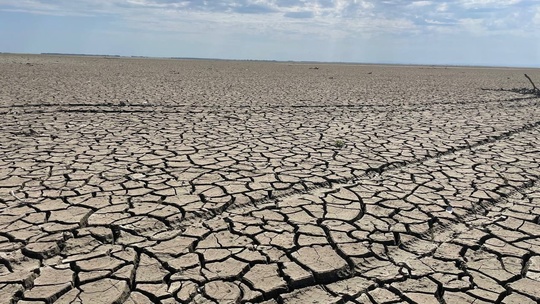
(338, 184)
(444, 233)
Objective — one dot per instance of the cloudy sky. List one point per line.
(468, 32)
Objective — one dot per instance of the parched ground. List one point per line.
(170, 181)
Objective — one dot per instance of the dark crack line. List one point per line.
(185, 105)
(160, 108)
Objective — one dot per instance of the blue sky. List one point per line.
(467, 32)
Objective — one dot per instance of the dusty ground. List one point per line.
(147, 181)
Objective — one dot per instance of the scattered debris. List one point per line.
(339, 143)
(525, 91)
(15, 196)
(535, 89)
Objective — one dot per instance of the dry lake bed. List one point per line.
(188, 181)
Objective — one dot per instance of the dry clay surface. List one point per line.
(178, 181)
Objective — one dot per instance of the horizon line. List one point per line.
(112, 56)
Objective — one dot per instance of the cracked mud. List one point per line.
(172, 181)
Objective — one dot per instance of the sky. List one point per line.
(459, 32)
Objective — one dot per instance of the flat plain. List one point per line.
(196, 181)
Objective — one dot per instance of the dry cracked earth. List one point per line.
(177, 181)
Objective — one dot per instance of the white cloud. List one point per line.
(488, 3)
(421, 3)
(321, 17)
(536, 18)
(442, 7)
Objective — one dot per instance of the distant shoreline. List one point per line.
(296, 62)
